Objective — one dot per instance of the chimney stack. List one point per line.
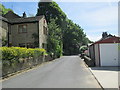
(104, 35)
(24, 15)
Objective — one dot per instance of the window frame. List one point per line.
(22, 25)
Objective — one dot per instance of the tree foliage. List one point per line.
(74, 37)
(51, 10)
(54, 39)
(4, 10)
(71, 35)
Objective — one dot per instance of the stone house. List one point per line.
(25, 31)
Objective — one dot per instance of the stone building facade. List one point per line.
(3, 30)
(25, 31)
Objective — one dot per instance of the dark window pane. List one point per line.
(24, 28)
(20, 29)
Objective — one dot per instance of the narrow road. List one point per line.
(66, 72)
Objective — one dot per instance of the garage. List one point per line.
(109, 54)
(105, 52)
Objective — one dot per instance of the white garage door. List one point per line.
(109, 54)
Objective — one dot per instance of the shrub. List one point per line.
(12, 53)
(30, 52)
(8, 53)
(21, 52)
(17, 58)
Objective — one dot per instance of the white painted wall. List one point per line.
(97, 54)
(109, 54)
(119, 54)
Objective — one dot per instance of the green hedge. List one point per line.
(17, 58)
(13, 53)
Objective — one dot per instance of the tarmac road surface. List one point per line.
(65, 72)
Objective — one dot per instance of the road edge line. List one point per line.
(93, 75)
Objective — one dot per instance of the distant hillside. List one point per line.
(4, 10)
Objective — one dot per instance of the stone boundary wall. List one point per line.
(22, 64)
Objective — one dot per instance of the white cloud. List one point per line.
(98, 30)
(94, 37)
(94, 18)
(102, 17)
(96, 34)
(100, 20)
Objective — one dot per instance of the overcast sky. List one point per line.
(93, 17)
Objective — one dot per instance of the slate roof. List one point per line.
(25, 20)
(13, 18)
(11, 14)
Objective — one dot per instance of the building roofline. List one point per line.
(11, 12)
(25, 20)
(22, 20)
(18, 19)
(3, 19)
(106, 40)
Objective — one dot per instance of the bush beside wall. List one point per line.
(16, 58)
(10, 53)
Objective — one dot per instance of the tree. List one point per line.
(4, 10)
(71, 34)
(54, 16)
(51, 10)
(54, 39)
(74, 38)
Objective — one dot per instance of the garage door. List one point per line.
(109, 54)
